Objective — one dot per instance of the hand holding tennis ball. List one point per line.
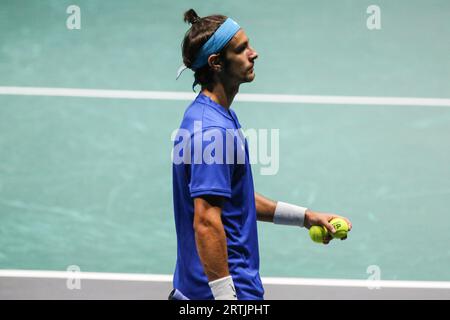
(341, 227)
(324, 227)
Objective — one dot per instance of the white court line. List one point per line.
(187, 96)
(265, 280)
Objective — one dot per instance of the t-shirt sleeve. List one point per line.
(211, 168)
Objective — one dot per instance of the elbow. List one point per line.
(207, 216)
(204, 227)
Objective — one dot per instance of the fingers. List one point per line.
(327, 239)
(346, 220)
(348, 223)
(329, 227)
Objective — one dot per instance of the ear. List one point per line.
(214, 62)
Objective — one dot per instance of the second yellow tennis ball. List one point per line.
(341, 227)
(318, 233)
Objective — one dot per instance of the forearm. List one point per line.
(212, 249)
(278, 212)
(265, 208)
(211, 245)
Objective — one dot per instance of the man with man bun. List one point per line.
(216, 207)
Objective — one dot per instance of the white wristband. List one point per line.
(289, 214)
(223, 289)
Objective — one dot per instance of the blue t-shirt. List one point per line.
(210, 157)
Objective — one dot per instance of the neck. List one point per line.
(222, 94)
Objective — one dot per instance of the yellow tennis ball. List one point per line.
(341, 227)
(318, 233)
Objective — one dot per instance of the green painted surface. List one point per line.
(88, 181)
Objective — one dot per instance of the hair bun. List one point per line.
(191, 17)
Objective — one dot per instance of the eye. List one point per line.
(242, 47)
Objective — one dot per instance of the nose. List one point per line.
(253, 54)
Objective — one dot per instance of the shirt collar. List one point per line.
(207, 100)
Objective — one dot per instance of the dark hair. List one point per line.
(201, 30)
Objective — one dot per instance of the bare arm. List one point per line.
(210, 237)
(265, 208)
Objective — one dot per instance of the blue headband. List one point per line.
(218, 40)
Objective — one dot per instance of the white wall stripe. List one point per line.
(187, 96)
(357, 283)
(265, 280)
(85, 275)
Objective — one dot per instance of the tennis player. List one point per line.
(216, 207)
